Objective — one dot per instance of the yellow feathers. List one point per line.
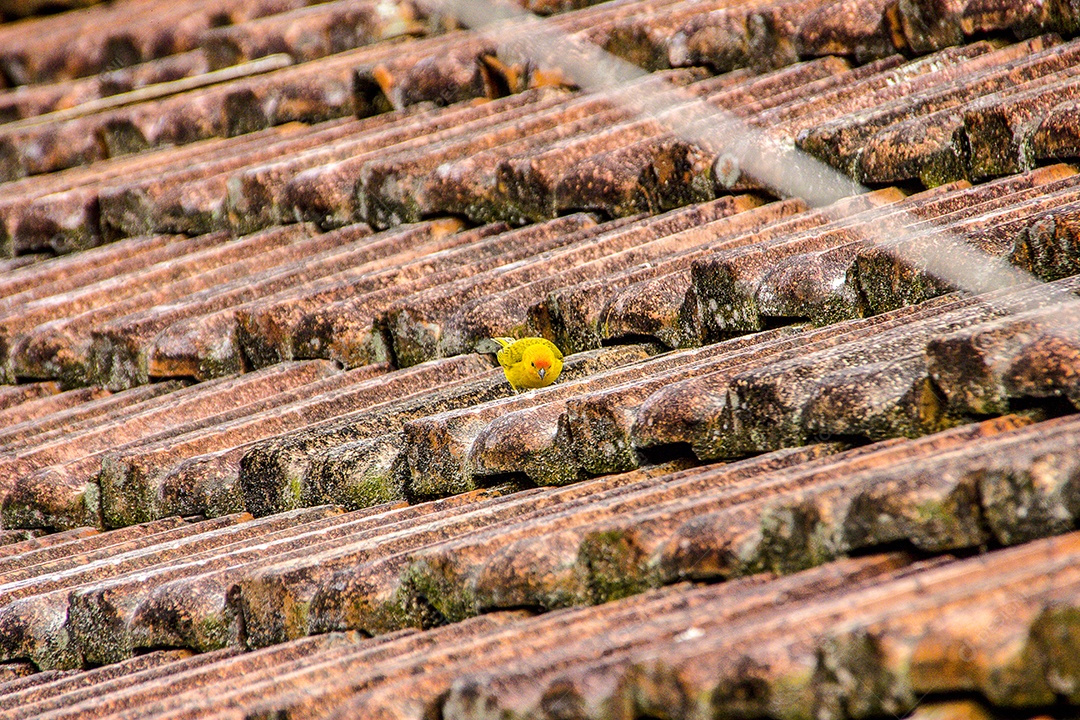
(529, 362)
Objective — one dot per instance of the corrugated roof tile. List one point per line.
(494, 303)
(274, 192)
(70, 683)
(351, 329)
(904, 415)
(838, 142)
(12, 397)
(121, 346)
(307, 33)
(53, 479)
(69, 548)
(28, 101)
(27, 412)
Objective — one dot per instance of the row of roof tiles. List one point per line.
(211, 335)
(303, 433)
(525, 157)
(444, 68)
(440, 584)
(110, 36)
(654, 34)
(413, 294)
(169, 306)
(756, 645)
(222, 585)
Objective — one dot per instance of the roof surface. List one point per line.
(251, 466)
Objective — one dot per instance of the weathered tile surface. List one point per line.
(344, 223)
(50, 479)
(666, 648)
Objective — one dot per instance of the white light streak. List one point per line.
(779, 165)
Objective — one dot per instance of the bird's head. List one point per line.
(539, 360)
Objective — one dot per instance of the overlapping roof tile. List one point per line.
(253, 466)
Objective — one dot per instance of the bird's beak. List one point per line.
(541, 372)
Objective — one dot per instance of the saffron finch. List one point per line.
(530, 362)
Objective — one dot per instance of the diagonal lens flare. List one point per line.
(743, 149)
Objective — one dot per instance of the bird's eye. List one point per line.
(533, 364)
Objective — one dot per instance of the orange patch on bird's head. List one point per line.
(538, 357)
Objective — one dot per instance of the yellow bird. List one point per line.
(530, 362)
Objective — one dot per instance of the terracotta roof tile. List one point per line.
(443, 70)
(82, 184)
(546, 305)
(350, 330)
(161, 607)
(119, 347)
(14, 672)
(226, 439)
(455, 315)
(1011, 357)
(320, 90)
(266, 327)
(36, 608)
(108, 36)
(284, 471)
(53, 471)
(12, 397)
(28, 101)
(655, 298)
(540, 561)
(468, 182)
(724, 36)
(172, 113)
(148, 685)
(98, 615)
(263, 193)
(73, 548)
(106, 297)
(27, 412)
(36, 540)
(307, 33)
(188, 194)
(995, 126)
(651, 39)
(931, 25)
(383, 186)
(25, 434)
(862, 30)
(837, 142)
(70, 684)
(428, 542)
(675, 595)
(522, 666)
(1056, 136)
(139, 465)
(10, 9)
(16, 263)
(850, 279)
